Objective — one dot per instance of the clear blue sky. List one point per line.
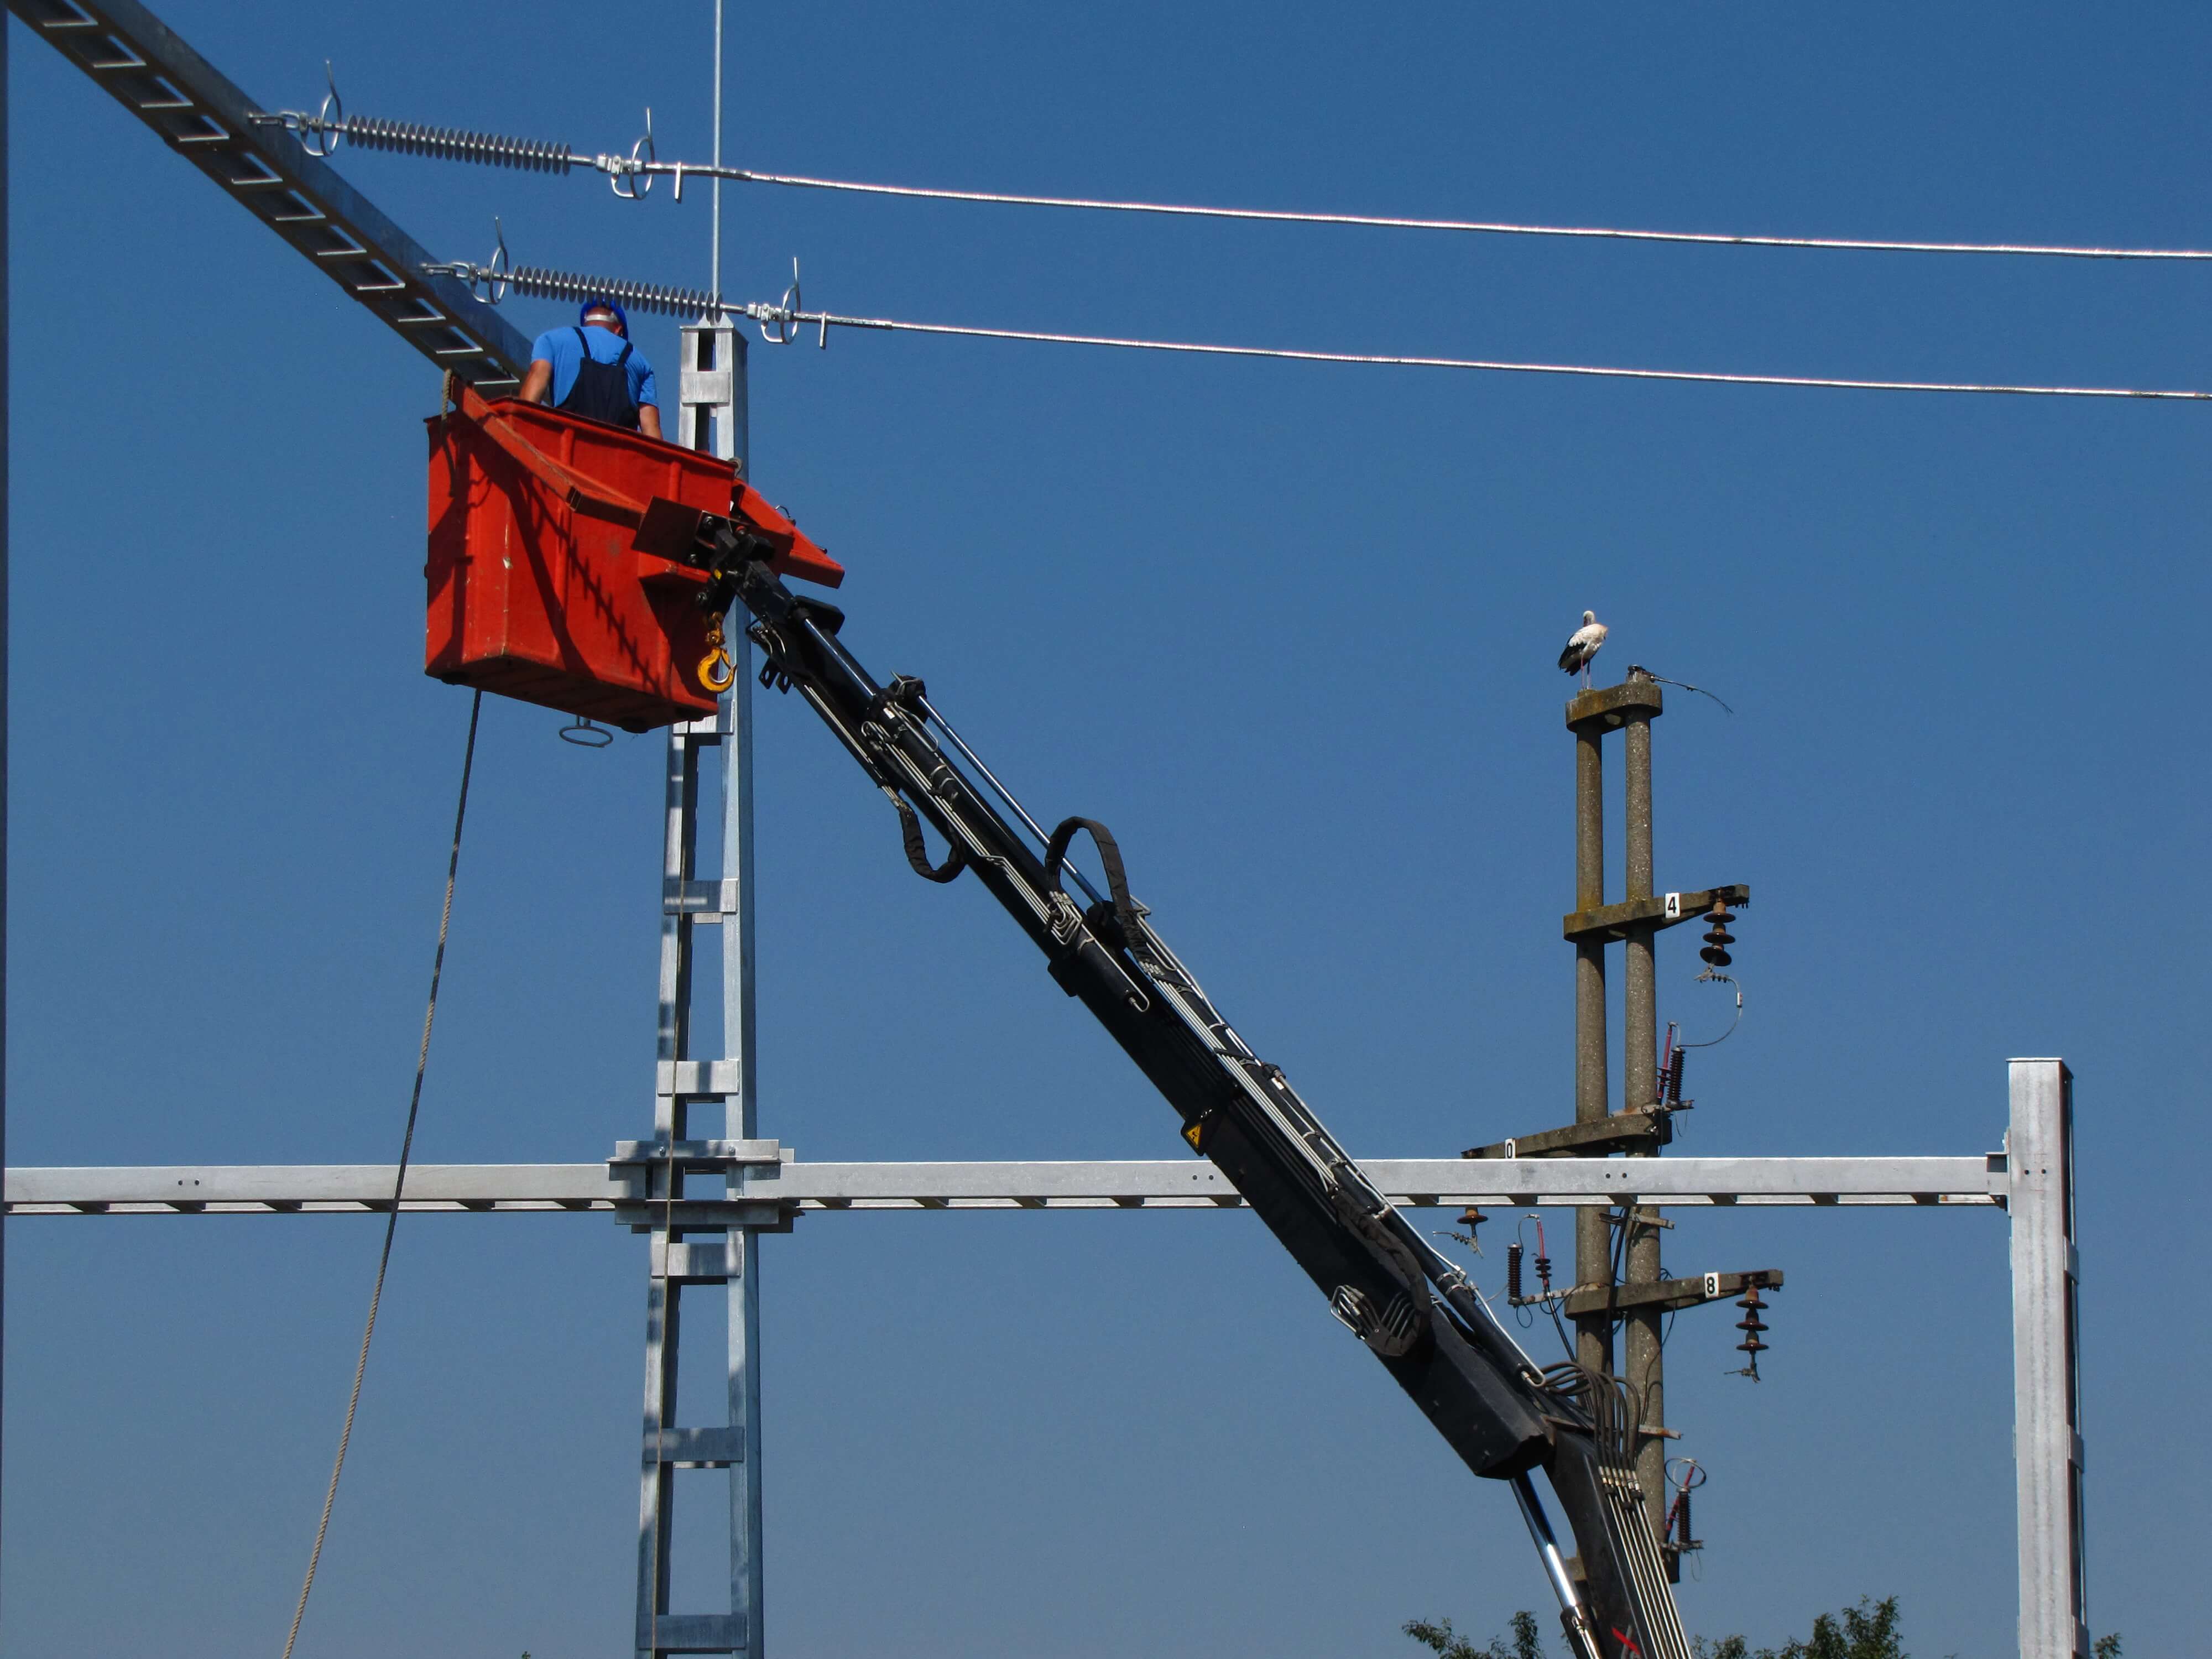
(1289, 630)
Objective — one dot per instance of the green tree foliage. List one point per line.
(1526, 1642)
(1869, 1631)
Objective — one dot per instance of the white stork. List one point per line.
(1582, 644)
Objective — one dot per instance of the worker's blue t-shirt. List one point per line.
(561, 348)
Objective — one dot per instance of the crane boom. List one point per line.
(1505, 1417)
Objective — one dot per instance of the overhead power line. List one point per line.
(632, 175)
(785, 319)
(1492, 365)
(1385, 221)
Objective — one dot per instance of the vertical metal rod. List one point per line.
(715, 194)
(1573, 1615)
(2047, 1442)
(740, 1042)
(663, 1324)
(1644, 1364)
(1593, 1256)
(656, 1504)
(5, 268)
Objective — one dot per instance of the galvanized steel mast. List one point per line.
(712, 418)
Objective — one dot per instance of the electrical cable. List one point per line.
(1492, 365)
(1710, 974)
(1552, 1307)
(400, 1178)
(494, 278)
(1685, 686)
(1387, 222)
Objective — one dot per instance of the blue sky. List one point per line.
(1289, 629)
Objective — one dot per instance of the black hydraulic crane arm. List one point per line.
(1382, 1278)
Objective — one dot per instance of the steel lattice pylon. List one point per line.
(713, 418)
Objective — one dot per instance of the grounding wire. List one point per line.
(399, 1175)
(455, 144)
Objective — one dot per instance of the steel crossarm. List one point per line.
(790, 1186)
(133, 57)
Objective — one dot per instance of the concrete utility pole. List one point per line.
(1643, 1296)
(1593, 1093)
(1640, 1070)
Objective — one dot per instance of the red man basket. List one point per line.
(537, 589)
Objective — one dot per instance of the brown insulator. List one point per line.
(1513, 1272)
(1717, 936)
(1750, 1324)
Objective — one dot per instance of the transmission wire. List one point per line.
(1301, 355)
(1385, 221)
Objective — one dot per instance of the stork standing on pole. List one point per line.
(1582, 644)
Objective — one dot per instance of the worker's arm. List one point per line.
(648, 418)
(537, 381)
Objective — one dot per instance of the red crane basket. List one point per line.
(537, 588)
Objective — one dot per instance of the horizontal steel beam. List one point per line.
(777, 1190)
(131, 55)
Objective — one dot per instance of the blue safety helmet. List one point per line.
(603, 302)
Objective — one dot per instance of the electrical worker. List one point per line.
(594, 371)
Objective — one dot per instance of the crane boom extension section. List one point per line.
(1383, 1280)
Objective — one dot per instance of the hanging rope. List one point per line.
(400, 1178)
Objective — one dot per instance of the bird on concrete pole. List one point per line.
(1582, 644)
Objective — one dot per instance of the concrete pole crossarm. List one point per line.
(1622, 1132)
(1669, 1295)
(1168, 1183)
(1606, 924)
(1607, 708)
